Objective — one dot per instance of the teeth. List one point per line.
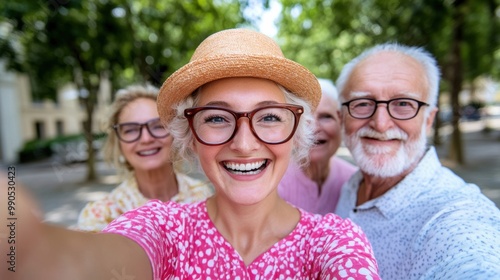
(244, 167)
(149, 152)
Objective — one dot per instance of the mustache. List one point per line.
(391, 134)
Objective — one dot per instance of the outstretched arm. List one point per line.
(30, 249)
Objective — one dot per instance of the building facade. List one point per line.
(22, 120)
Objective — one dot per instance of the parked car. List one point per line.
(471, 113)
(75, 151)
(492, 110)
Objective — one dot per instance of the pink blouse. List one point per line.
(301, 191)
(182, 242)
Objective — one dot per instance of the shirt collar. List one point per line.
(408, 189)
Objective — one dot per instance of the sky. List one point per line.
(266, 24)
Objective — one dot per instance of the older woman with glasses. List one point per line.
(242, 111)
(138, 145)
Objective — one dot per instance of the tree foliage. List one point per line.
(129, 41)
(324, 35)
(461, 34)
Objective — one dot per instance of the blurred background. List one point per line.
(62, 60)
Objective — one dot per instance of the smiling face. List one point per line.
(383, 146)
(244, 170)
(147, 153)
(327, 134)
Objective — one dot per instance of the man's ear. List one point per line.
(339, 116)
(430, 119)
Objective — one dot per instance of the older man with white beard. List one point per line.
(423, 221)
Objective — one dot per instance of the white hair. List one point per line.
(423, 57)
(328, 88)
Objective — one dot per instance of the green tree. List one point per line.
(324, 35)
(60, 42)
(80, 41)
(164, 34)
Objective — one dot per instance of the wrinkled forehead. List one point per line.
(388, 75)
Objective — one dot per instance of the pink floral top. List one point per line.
(183, 243)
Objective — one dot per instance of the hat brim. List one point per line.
(289, 74)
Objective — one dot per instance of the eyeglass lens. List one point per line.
(270, 125)
(401, 108)
(130, 132)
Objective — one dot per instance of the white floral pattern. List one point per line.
(96, 215)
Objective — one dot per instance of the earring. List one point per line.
(121, 159)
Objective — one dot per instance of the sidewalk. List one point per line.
(61, 193)
(60, 190)
(482, 158)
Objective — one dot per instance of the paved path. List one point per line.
(482, 158)
(61, 194)
(59, 188)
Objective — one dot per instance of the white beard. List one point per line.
(377, 160)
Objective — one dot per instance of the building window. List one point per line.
(40, 130)
(84, 125)
(59, 128)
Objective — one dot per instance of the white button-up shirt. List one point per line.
(431, 225)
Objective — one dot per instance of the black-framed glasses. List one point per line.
(398, 108)
(131, 131)
(273, 124)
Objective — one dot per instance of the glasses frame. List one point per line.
(420, 104)
(297, 111)
(141, 125)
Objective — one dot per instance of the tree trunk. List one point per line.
(456, 75)
(438, 122)
(89, 136)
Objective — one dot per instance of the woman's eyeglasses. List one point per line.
(131, 131)
(274, 124)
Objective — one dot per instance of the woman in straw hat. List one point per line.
(240, 109)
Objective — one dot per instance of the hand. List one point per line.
(20, 224)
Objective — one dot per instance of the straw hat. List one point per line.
(236, 53)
